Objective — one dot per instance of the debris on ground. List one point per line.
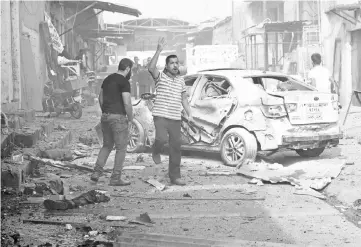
(139, 159)
(186, 195)
(217, 173)
(357, 204)
(309, 192)
(134, 168)
(61, 127)
(49, 185)
(143, 219)
(159, 186)
(90, 197)
(116, 218)
(68, 227)
(254, 181)
(56, 154)
(87, 140)
(93, 233)
(315, 174)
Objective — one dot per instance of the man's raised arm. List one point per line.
(152, 67)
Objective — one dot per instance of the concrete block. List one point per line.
(65, 141)
(12, 177)
(15, 122)
(48, 128)
(7, 145)
(27, 138)
(27, 115)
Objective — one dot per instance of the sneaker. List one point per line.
(55, 205)
(95, 176)
(177, 181)
(119, 182)
(156, 158)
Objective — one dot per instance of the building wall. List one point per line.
(222, 35)
(6, 65)
(31, 14)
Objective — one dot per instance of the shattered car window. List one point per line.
(283, 84)
(189, 81)
(215, 87)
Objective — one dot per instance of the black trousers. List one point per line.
(165, 127)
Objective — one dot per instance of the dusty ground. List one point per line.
(208, 207)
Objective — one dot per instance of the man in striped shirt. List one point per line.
(167, 110)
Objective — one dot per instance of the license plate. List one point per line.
(315, 117)
(314, 110)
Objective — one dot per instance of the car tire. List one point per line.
(136, 140)
(309, 153)
(247, 146)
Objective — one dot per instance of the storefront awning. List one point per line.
(105, 6)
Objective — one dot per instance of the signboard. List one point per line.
(54, 36)
(210, 57)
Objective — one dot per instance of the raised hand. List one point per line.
(161, 44)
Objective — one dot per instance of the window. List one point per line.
(189, 81)
(280, 84)
(215, 87)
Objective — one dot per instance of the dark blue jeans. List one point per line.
(115, 132)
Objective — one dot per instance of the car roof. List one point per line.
(232, 72)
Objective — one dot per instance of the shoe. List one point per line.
(178, 181)
(156, 158)
(95, 176)
(119, 182)
(55, 205)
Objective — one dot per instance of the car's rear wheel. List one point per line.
(238, 146)
(311, 152)
(136, 138)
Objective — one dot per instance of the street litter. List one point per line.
(57, 154)
(61, 127)
(156, 184)
(350, 163)
(254, 181)
(315, 174)
(187, 195)
(210, 173)
(116, 218)
(134, 168)
(89, 197)
(93, 233)
(68, 227)
(143, 219)
(357, 204)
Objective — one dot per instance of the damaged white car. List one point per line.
(240, 112)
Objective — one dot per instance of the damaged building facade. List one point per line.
(282, 35)
(25, 69)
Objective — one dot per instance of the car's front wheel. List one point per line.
(238, 146)
(136, 137)
(311, 152)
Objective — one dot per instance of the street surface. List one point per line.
(209, 207)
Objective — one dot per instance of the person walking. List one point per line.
(167, 110)
(320, 76)
(117, 111)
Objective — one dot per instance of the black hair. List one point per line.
(169, 58)
(316, 58)
(124, 64)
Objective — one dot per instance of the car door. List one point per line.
(209, 110)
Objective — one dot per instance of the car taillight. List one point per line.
(291, 107)
(274, 110)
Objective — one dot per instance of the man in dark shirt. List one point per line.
(117, 111)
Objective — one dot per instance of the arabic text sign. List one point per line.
(55, 39)
(211, 56)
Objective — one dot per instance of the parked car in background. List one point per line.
(240, 112)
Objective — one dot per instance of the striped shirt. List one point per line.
(168, 102)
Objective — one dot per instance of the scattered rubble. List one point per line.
(68, 227)
(159, 186)
(56, 154)
(116, 218)
(140, 159)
